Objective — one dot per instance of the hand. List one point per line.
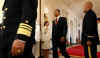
(98, 21)
(62, 39)
(17, 47)
(89, 43)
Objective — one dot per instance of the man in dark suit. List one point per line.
(19, 33)
(59, 32)
(89, 32)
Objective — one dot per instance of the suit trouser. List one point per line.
(93, 51)
(62, 47)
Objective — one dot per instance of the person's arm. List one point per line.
(27, 25)
(84, 38)
(64, 27)
(26, 28)
(64, 30)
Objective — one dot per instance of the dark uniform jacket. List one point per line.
(19, 19)
(89, 27)
(59, 30)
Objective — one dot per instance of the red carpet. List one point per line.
(77, 51)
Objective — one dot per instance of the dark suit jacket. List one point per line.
(19, 12)
(60, 29)
(89, 27)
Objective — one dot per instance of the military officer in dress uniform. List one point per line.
(19, 23)
(89, 33)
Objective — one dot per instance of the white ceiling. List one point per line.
(74, 6)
